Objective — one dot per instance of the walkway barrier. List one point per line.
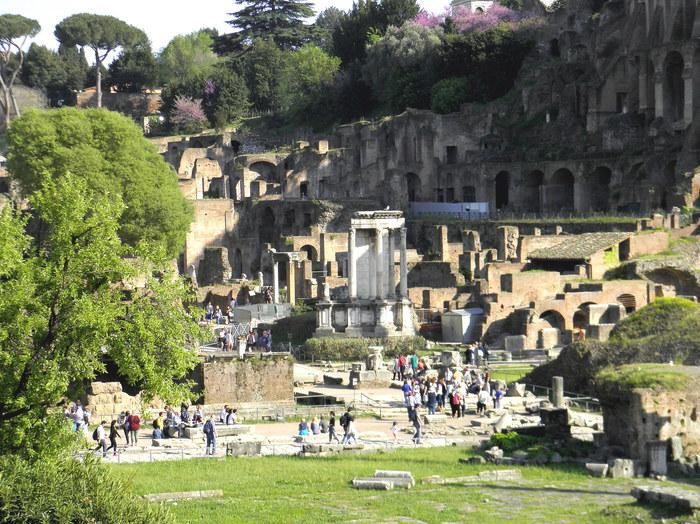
(582, 402)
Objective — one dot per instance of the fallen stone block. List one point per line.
(503, 422)
(476, 460)
(400, 482)
(677, 498)
(378, 484)
(183, 495)
(501, 474)
(516, 389)
(596, 469)
(332, 380)
(622, 468)
(438, 418)
(393, 474)
(494, 454)
(243, 449)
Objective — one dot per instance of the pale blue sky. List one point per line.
(160, 19)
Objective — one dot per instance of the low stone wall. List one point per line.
(229, 380)
(106, 399)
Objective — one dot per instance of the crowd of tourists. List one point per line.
(327, 425)
(256, 340)
(216, 315)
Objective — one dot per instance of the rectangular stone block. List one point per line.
(393, 473)
(243, 449)
(376, 484)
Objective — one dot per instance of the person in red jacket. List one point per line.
(134, 426)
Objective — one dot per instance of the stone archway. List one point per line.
(311, 253)
(629, 302)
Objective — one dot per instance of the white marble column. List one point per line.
(404, 265)
(275, 282)
(379, 263)
(391, 280)
(352, 265)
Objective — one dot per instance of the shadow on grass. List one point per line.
(655, 511)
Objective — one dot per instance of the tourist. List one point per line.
(113, 434)
(331, 428)
(184, 414)
(432, 396)
(303, 429)
(418, 425)
(407, 393)
(455, 403)
(223, 414)
(158, 425)
(268, 341)
(210, 432)
(351, 432)
(485, 349)
(402, 367)
(449, 375)
(78, 417)
(497, 396)
(232, 417)
(315, 428)
(123, 422)
(414, 364)
(218, 315)
(395, 431)
(470, 355)
(345, 421)
(463, 397)
(100, 437)
(232, 305)
(134, 426)
(209, 312)
(441, 394)
(323, 425)
(250, 341)
(396, 369)
(481, 401)
(198, 417)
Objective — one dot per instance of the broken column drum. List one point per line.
(373, 307)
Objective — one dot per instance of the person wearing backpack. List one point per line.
(124, 424)
(113, 434)
(100, 437)
(210, 432)
(134, 426)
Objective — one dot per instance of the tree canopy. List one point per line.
(109, 152)
(68, 301)
(187, 56)
(280, 20)
(134, 69)
(14, 32)
(100, 33)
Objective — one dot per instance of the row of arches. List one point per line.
(554, 319)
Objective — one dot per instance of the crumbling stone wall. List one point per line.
(232, 381)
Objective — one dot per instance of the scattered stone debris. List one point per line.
(597, 469)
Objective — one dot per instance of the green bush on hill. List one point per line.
(665, 330)
(68, 490)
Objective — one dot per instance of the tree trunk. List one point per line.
(14, 103)
(99, 78)
(7, 107)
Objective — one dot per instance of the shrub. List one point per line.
(449, 94)
(356, 348)
(67, 490)
(188, 115)
(512, 441)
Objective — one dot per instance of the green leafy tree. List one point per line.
(14, 32)
(187, 56)
(280, 20)
(397, 12)
(68, 301)
(326, 23)
(102, 34)
(401, 66)
(449, 94)
(109, 152)
(134, 69)
(262, 68)
(308, 73)
(44, 69)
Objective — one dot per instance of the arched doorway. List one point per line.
(674, 87)
(267, 226)
(560, 191)
(265, 170)
(599, 188)
(413, 187)
(311, 252)
(533, 188)
(502, 189)
(628, 301)
(553, 319)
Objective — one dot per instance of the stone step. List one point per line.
(680, 499)
(393, 473)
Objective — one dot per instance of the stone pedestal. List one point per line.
(385, 326)
(324, 319)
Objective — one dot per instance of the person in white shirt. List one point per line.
(481, 401)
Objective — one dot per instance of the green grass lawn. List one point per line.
(292, 489)
(510, 374)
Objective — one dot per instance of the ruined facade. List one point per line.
(600, 120)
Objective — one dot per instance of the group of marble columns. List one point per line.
(381, 284)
